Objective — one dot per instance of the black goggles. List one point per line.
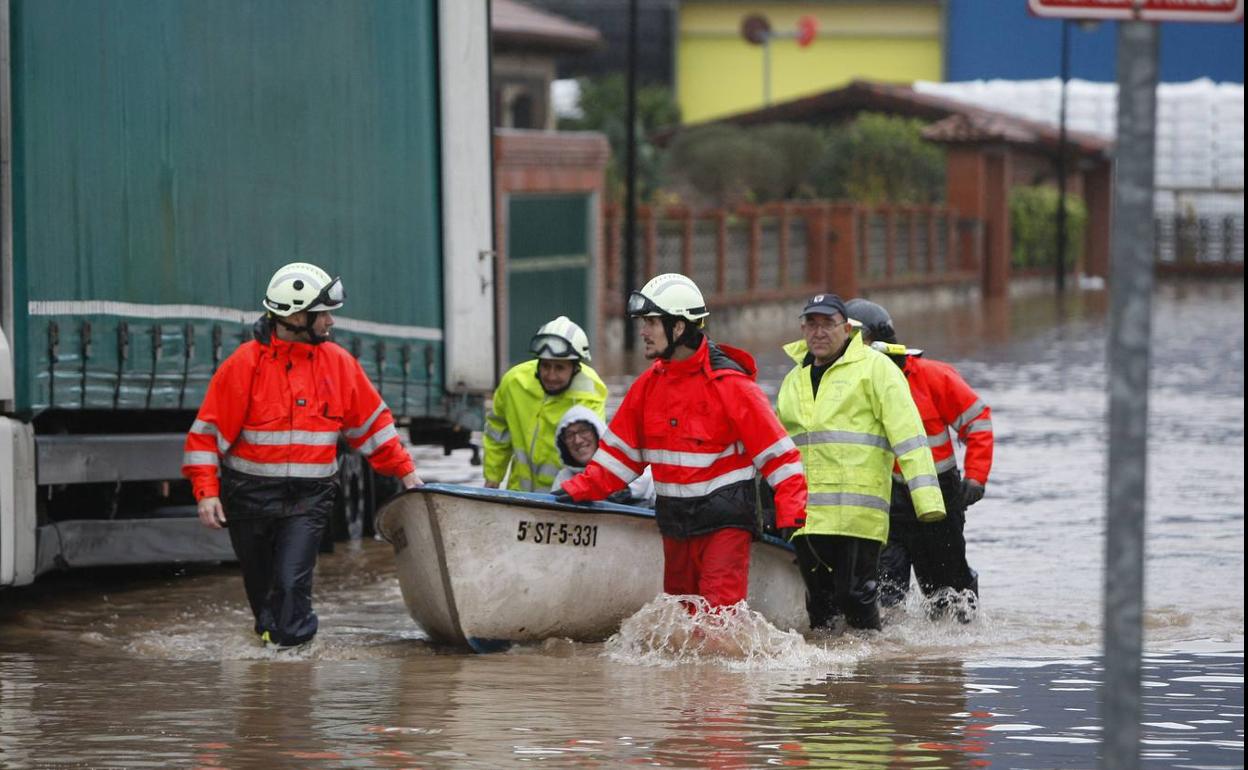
(639, 304)
(552, 345)
(330, 297)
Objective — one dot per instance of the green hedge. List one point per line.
(1033, 221)
(873, 159)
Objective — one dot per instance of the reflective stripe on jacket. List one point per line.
(849, 435)
(945, 401)
(275, 409)
(706, 430)
(520, 426)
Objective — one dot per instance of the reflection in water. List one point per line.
(157, 667)
(567, 705)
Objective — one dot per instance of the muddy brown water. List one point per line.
(156, 668)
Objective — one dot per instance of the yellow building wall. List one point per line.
(718, 73)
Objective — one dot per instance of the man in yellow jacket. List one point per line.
(849, 411)
(529, 402)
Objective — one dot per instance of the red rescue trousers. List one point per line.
(715, 566)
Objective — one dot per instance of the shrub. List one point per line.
(713, 164)
(1033, 223)
(875, 159)
(881, 159)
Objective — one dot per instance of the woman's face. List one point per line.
(582, 441)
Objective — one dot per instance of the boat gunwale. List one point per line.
(538, 500)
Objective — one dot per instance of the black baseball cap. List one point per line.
(825, 304)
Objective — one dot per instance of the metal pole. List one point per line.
(1131, 293)
(1061, 163)
(767, 69)
(630, 173)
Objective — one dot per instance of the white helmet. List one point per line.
(669, 294)
(562, 340)
(302, 286)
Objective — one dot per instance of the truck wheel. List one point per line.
(352, 514)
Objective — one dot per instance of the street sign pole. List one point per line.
(1131, 296)
(1061, 162)
(1131, 281)
(767, 71)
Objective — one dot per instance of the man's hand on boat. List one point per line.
(211, 513)
(561, 496)
(411, 481)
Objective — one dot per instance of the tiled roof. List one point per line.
(519, 25)
(953, 122)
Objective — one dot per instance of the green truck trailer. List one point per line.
(160, 159)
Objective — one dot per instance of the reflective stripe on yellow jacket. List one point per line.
(520, 426)
(848, 436)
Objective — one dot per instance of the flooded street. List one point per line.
(157, 667)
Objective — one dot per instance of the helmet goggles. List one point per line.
(331, 297)
(639, 305)
(552, 346)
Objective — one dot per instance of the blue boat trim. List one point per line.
(548, 502)
(486, 646)
(532, 500)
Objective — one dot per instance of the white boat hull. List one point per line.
(484, 568)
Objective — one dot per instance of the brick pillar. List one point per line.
(964, 180)
(816, 217)
(841, 271)
(996, 268)
(1098, 195)
(965, 187)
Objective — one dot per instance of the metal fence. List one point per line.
(1199, 230)
(783, 251)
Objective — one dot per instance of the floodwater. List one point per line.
(157, 668)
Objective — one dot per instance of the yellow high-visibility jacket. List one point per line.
(848, 436)
(520, 426)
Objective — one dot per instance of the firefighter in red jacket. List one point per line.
(706, 430)
(262, 453)
(937, 551)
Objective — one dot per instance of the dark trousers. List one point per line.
(840, 574)
(278, 556)
(936, 551)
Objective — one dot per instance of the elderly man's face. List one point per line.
(825, 334)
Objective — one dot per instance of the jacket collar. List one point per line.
(697, 362)
(279, 348)
(714, 359)
(800, 353)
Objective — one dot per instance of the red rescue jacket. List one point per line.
(945, 401)
(275, 409)
(706, 430)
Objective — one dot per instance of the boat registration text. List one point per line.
(584, 535)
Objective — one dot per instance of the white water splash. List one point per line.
(675, 630)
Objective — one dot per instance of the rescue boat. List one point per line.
(483, 568)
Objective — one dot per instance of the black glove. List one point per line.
(563, 497)
(972, 492)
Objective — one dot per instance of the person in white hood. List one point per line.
(576, 438)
